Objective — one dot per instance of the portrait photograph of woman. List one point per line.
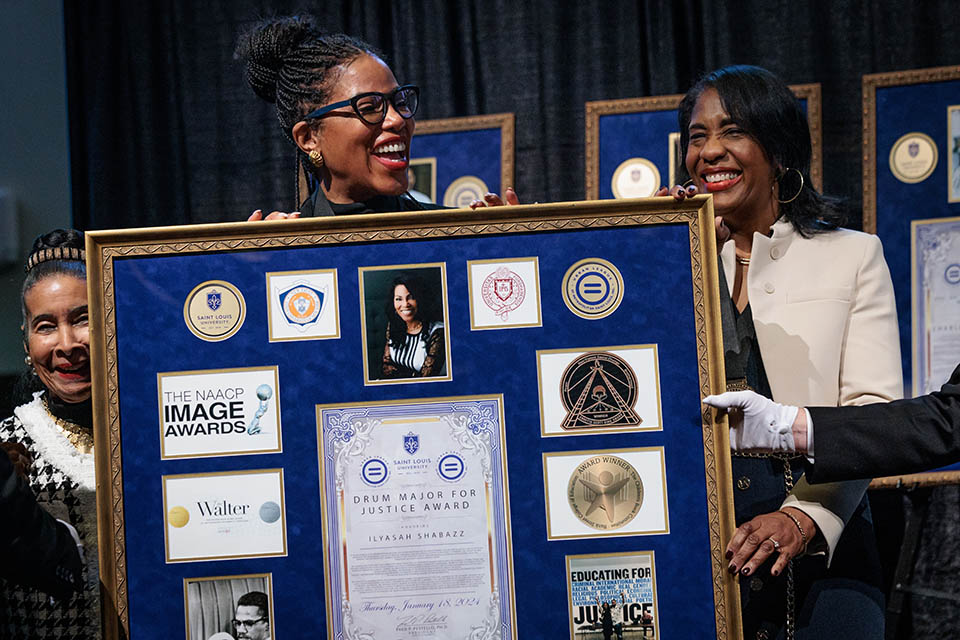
(404, 316)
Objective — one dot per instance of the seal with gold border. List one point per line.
(605, 492)
(214, 310)
(592, 288)
(463, 191)
(913, 157)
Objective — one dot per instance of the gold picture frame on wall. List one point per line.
(916, 109)
(595, 110)
(444, 140)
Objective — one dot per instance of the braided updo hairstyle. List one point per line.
(292, 63)
(58, 252)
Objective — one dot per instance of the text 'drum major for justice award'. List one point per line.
(415, 512)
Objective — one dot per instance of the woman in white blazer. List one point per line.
(810, 321)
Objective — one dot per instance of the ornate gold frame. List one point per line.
(502, 121)
(871, 83)
(809, 92)
(103, 247)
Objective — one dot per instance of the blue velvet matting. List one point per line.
(657, 308)
(462, 153)
(901, 110)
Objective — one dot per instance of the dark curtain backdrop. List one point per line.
(164, 130)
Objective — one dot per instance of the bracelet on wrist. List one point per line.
(803, 534)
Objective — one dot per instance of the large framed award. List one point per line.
(633, 145)
(454, 161)
(442, 424)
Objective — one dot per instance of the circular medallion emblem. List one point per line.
(214, 310)
(463, 191)
(269, 512)
(592, 288)
(301, 305)
(503, 291)
(952, 274)
(451, 467)
(178, 517)
(599, 389)
(635, 178)
(913, 157)
(374, 472)
(605, 492)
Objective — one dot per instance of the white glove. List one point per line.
(767, 425)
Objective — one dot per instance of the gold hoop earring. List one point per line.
(316, 158)
(797, 194)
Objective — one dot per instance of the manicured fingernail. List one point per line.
(775, 572)
(729, 554)
(732, 568)
(745, 571)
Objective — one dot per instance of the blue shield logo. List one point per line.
(301, 304)
(213, 300)
(411, 443)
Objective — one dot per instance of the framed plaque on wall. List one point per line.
(633, 145)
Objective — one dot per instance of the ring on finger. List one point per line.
(776, 545)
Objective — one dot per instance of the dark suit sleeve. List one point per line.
(35, 550)
(905, 436)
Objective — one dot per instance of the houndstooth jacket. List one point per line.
(63, 480)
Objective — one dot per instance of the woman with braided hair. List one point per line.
(340, 104)
(55, 426)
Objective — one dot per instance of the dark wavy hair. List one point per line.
(425, 306)
(58, 238)
(767, 111)
(256, 599)
(292, 63)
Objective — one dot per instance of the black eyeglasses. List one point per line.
(246, 624)
(372, 106)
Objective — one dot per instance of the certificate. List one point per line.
(936, 302)
(218, 516)
(415, 519)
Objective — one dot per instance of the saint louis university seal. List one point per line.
(599, 389)
(503, 291)
(605, 492)
(214, 310)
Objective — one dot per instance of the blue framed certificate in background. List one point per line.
(911, 151)
(632, 145)
(935, 318)
(454, 161)
(451, 503)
